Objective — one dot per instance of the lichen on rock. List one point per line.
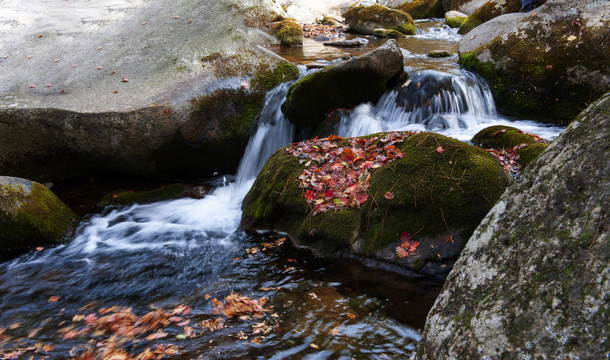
(533, 279)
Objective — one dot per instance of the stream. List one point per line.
(187, 252)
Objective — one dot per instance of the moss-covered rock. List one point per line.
(455, 19)
(385, 33)
(31, 215)
(440, 189)
(288, 33)
(365, 20)
(533, 280)
(548, 66)
(122, 197)
(423, 9)
(488, 11)
(527, 146)
(221, 124)
(343, 85)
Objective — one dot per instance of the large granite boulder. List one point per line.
(548, 64)
(344, 85)
(533, 280)
(423, 9)
(150, 88)
(411, 199)
(31, 215)
(365, 19)
(464, 6)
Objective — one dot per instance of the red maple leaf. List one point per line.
(310, 195)
(405, 236)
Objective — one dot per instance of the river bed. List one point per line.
(178, 256)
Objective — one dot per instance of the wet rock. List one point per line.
(356, 42)
(533, 279)
(440, 190)
(464, 6)
(439, 54)
(365, 20)
(122, 197)
(87, 120)
(547, 64)
(488, 11)
(288, 33)
(344, 84)
(31, 215)
(455, 19)
(385, 33)
(423, 9)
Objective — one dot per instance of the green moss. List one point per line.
(439, 54)
(454, 22)
(360, 19)
(288, 33)
(128, 197)
(434, 194)
(40, 218)
(423, 9)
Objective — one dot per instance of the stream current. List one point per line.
(185, 251)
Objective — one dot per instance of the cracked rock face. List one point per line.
(109, 84)
(533, 280)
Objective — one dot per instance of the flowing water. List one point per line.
(185, 251)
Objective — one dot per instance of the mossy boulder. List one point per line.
(533, 280)
(439, 192)
(488, 11)
(548, 65)
(527, 146)
(288, 33)
(343, 85)
(455, 19)
(365, 20)
(385, 33)
(122, 197)
(31, 215)
(423, 9)
(464, 6)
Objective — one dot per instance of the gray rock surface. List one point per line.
(533, 280)
(547, 64)
(93, 79)
(357, 42)
(31, 215)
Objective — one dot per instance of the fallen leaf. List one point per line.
(32, 86)
(189, 22)
(73, 66)
(29, 56)
(157, 335)
(53, 299)
(144, 23)
(440, 149)
(176, 17)
(39, 248)
(39, 35)
(245, 84)
(99, 48)
(312, 345)
(351, 316)
(124, 79)
(388, 195)
(56, 60)
(166, 111)
(100, 67)
(291, 260)
(335, 331)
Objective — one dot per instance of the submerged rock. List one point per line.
(423, 9)
(343, 85)
(365, 20)
(547, 64)
(439, 54)
(436, 193)
(357, 42)
(533, 279)
(31, 215)
(455, 19)
(66, 112)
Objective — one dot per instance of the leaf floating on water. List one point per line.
(53, 299)
(157, 335)
(314, 346)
